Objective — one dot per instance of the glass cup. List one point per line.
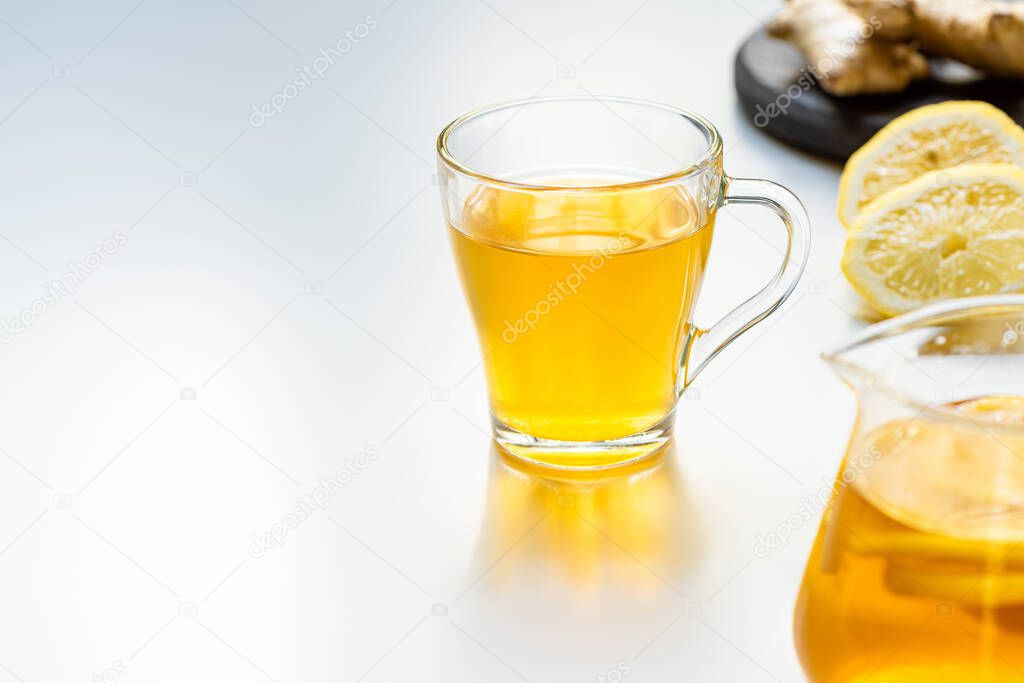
(917, 573)
(581, 228)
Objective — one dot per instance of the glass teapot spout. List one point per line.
(946, 352)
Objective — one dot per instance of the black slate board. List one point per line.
(815, 121)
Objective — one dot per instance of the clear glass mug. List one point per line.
(917, 573)
(581, 228)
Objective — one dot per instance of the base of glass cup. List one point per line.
(584, 455)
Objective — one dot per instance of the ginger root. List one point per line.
(894, 19)
(871, 46)
(842, 51)
(985, 34)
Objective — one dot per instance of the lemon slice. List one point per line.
(951, 233)
(952, 483)
(956, 490)
(926, 139)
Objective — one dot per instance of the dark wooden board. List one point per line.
(815, 121)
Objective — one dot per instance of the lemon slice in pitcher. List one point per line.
(957, 482)
(953, 496)
(926, 139)
(951, 233)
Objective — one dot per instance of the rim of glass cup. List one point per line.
(713, 151)
(937, 313)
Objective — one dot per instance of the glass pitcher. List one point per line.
(917, 572)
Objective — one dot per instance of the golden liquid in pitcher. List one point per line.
(917, 573)
(583, 302)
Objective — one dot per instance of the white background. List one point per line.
(126, 511)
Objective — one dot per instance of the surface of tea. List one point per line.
(917, 573)
(583, 300)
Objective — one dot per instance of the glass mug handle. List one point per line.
(705, 344)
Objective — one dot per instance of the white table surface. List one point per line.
(296, 277)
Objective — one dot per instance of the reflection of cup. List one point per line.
(581, 228)
(634, 525)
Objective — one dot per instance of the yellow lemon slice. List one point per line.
(956, 488)
(926, 139)
(956, 480)
(951, 233)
